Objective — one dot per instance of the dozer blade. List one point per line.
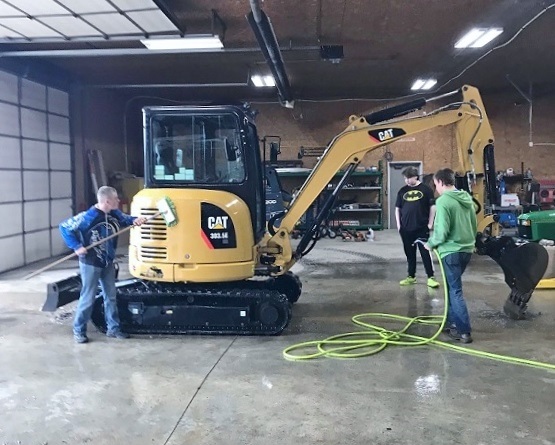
(62, 292)
(65, 291)
(523, 265)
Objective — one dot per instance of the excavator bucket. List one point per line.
(523, 265)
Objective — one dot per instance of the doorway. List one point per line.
(395, 181)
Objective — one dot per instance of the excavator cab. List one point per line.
(206, 160)
(205, 148)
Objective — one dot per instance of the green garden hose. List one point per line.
(373, 339)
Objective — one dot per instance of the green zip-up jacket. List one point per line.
(454, 224)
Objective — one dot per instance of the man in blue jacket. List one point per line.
(97, 264)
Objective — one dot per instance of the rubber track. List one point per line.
(172, 298)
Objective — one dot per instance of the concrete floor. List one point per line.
(239, 390)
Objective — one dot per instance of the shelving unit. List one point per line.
(359, 206)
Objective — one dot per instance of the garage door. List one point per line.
(35, 170)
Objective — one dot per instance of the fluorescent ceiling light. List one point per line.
(487, 37)
(429, 84)
(187, 42)
(478, 37)
(263, 81)
(423, 84)
(418, 84)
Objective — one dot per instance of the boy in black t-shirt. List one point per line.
(414, 212)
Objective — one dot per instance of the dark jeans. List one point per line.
(409, 237)
(454, 266)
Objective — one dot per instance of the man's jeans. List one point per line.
(454, 266)
(90, 276)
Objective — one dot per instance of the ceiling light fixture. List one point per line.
(263, 81)
(478, 37)
(191, 42)
(423, 84)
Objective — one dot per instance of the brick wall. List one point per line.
(314, 124)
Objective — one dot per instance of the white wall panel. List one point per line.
(35, 154)
(35, 170)
(10, 152)
(58, 245)
(60, 211)
(37, 246)
(35, 185)
(58, 102)
(33, 124)
(60, 156)
(60, 184)
(9, 119)
(14, 245)
(58, 127)
(8, 87)
(11, 217)
(36, 215)
(10, 186)
(33, 94)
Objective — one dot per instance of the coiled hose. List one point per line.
(373, 338)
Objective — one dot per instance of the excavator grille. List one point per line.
(153, 253)
(154, 229)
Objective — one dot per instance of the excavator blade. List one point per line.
(65, 291)
(523, 265)
(62, 292)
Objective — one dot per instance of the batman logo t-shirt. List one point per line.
(413, 195)
(414, 204)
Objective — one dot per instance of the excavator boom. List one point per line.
(346, 151)
(522, 264)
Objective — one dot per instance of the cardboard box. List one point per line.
(509, 199)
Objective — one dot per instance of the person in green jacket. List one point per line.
(454, 237)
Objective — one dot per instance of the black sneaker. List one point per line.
(456, 335)
(448, 327)
(80, 338)
(118, 334)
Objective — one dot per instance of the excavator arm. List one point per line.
(523, 265)
(368, 133)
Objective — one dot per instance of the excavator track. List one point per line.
(243, 308)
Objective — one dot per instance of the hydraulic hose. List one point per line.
(373, 338)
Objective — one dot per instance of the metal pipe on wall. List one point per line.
(529, 99)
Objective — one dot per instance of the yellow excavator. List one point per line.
(223, 268)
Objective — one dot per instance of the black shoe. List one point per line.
(456, 335)
(80, 338)
(118, 334)
(448, 327)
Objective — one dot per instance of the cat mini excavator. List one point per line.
(222, 268)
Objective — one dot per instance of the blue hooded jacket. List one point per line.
(90, 226)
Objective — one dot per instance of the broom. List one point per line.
(166, 208)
